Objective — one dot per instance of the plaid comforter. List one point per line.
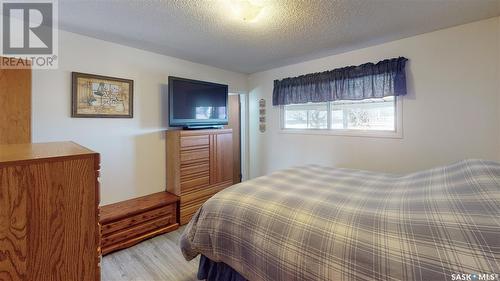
(319, 223)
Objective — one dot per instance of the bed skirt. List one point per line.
(217, 271)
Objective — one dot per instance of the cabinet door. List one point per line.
(15, 106)
(221, 158)
(234, 124)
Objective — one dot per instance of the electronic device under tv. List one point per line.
(197, 104)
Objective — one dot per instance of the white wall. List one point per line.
(451, 111)
(132, 150)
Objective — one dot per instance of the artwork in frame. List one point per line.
(96, 96)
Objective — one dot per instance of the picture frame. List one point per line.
(98, 96)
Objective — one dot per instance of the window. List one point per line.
(370, 117)
(306, 116)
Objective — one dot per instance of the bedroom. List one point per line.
(447, 116)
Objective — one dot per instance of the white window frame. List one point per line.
(397, 134)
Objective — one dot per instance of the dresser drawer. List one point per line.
(191, 202)
(137, 230)
(200, 194)
(137, 219)
(195, 183)
(194, 170)
(191, 142)
(188, 212)
(193, 156)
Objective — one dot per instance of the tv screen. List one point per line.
(196, 103)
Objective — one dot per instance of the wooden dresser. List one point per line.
(129, 222)
(49, 197)
(199, 164)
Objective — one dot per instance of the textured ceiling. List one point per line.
(286, 31)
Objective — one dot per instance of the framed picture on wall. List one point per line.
(96, 96)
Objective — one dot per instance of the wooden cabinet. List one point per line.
(15, 106)
(49, 197)
(199, 164)
(130, 222)
(221, 158)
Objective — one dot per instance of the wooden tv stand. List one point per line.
(199, 164)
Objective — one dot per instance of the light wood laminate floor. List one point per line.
(156, 259)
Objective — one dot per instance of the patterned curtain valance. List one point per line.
(369, 80)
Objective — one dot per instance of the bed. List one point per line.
(321, 223)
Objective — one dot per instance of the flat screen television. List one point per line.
(196, 104)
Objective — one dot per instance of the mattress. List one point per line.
(321, 223)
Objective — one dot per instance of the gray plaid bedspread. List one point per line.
(319, 223)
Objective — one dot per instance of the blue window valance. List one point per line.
(369, 80)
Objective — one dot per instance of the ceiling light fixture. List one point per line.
(247, 10)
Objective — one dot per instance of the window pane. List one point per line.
(371, 114)
(306, 116)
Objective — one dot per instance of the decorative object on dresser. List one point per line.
(97, 96)
(199, 164)
(129, 222)
(49, 198)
